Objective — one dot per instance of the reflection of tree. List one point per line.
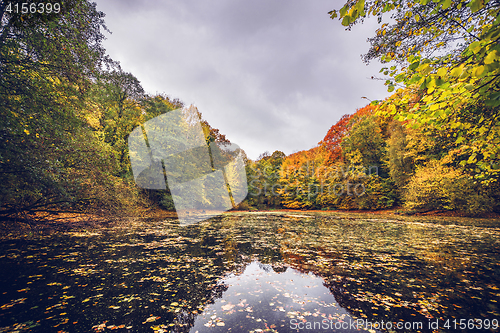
(265, 267)
(279, 268)
(185, 319)
(173, 273)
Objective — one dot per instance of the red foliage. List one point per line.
(338, 131)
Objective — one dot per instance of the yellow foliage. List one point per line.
(436, 186)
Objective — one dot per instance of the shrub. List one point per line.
(435, 186)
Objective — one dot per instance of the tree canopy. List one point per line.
(67, 110)
(47, 64)
(447, 53)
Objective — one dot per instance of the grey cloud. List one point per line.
(271, 75)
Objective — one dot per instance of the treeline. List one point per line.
(66, 112)
(371, 161)
(435, 144)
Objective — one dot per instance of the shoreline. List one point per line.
(392, 211)
(69, 222)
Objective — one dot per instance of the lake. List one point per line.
(257, 272)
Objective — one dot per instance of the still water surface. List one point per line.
(243, 272)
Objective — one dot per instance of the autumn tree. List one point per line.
(263, 180)
(449, 50)
(407, 149)
(47, 64)
(117, 102)
(364, 145)
(301, 178)
(337, 132)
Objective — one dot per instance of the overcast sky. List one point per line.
(271, 75)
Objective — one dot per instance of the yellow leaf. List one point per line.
(446, 4)
(491, 57)
(442, 71)
(475, 47)
(479, 70)
(431, 84)
(457, 71)
(425, 69)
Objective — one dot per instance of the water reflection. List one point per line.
(261, 299)
(248, 272)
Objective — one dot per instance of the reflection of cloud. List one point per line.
(270, 75)
(271, 298)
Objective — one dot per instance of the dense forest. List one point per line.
(434, 144)
(67, 110)
(368, 161)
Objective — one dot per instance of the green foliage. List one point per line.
(48, 157)
(364, 146)
(67, 110)
(380, 193)
(401, 165)
(116, 110)
(407, 148)
(263, 181)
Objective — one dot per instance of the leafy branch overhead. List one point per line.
(448, 52)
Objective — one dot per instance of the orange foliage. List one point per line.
(300, 172)
(296, 160)
(303, 155)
